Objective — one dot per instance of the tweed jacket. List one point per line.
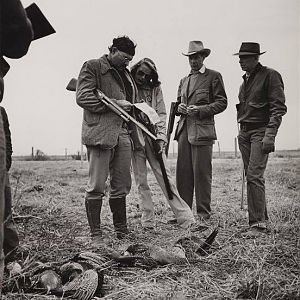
(209, 94)
(262, 100)
(100, 125)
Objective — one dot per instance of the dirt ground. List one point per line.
(50, 216)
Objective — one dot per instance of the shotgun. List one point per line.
(158, 154)
(172, 114)
(146, 127)
(243, 187)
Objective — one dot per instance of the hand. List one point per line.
(162, 145)
(267, 147)
(126, 105)
(182, 109)
(192, 109)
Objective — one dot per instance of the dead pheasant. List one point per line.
(194, 247)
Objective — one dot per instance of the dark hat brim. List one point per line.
(205, 51)
(248, 53)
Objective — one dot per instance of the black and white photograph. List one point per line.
(149, 149)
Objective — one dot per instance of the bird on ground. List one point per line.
(185, 250)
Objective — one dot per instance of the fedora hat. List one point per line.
(197, 47)
(249, 48)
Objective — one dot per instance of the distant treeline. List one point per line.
(221, 154)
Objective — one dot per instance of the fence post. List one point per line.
(235, 147)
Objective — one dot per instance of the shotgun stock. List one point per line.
(146, 127)
(173, 109)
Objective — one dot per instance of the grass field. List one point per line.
(48, 203)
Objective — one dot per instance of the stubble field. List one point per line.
(50, 216)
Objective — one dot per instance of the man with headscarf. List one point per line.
(149, 91)
(201, 95)
(105, 134)
(259, 113)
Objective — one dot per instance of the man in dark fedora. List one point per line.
(259, 113)
(201, 95)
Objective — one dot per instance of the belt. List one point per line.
(251, 126)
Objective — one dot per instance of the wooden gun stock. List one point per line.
(173, 109)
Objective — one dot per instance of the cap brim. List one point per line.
(248, 53)
(40, 25)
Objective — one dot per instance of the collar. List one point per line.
(246, 76)
(202, 70)
(106, 66)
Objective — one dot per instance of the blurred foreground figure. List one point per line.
(260, 111)
(11, 238)
(18, 28)
(106, 134)
(201, 95)
(149, 91)
(15, 37)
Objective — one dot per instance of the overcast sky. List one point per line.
(44, 115)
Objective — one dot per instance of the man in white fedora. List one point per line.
(201, 95)
(259, 113)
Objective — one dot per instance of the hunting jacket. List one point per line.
(262, 100)
(100, 125)
(209, 94)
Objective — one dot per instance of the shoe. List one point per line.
(97, 240)
(255, 231)
(172, 221)
(203, 218)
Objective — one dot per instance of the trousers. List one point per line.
(255, 163)
(194, 173)
(114, 162)
(180, 209)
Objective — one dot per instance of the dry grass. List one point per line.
(48, 198)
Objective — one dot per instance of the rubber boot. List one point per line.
(93, 210)
(118, 209)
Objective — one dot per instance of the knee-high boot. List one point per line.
(93, 210)
(118, 209)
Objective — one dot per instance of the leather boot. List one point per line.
(118, 209)
(93, 210)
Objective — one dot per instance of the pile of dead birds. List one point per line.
(81, 276)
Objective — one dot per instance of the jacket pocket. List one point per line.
(259, 104)
(259, 111)
(90, 118)
(205, 131)
(201, 97)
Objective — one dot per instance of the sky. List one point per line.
(44, 115)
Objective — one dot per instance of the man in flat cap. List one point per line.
(201, 95)
(259, 113)
(105, 134)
